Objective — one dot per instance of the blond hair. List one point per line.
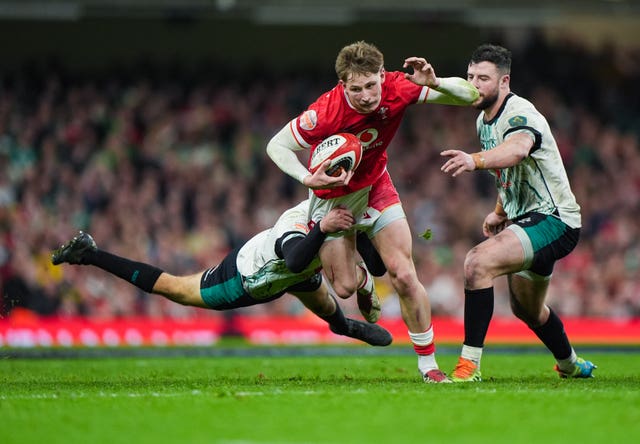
(358, 58)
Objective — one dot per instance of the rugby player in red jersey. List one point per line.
(370, 103)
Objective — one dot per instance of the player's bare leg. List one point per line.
(527, 296)
(82, 250)
(495, 256)
(338, 258)
(499, 255)
(394, 244)
(183, 290)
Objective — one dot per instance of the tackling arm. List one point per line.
(298, 249)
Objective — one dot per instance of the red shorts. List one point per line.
(383, 193)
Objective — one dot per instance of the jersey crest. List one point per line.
(517, 121)
(308, 120)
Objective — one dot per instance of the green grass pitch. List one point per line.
(351, 398)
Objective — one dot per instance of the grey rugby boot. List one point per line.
(368, 302)
(72, 252)
(372, 334)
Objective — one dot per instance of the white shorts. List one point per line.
(374, 207)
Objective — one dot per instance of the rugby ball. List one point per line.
(344, 150)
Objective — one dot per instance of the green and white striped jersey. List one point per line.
(539, 183)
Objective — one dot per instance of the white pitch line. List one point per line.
(420, 389)
(102, 394)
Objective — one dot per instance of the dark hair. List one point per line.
(499, 56)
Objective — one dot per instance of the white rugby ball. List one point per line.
(344, 150)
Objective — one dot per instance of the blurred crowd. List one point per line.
(167, 165)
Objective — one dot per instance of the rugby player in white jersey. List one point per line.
(282, 259)
(536, 220)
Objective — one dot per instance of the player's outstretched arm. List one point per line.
(444, 90)
(511, 152)
(453, 91)
(423, 73)
(458, 162)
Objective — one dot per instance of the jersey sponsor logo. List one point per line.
(518, 121)
(368, 137)
(308, 120)
(486, 137)
(502, 179)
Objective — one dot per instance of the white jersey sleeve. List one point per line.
(282, 150)
(452, 91)
(539, 183)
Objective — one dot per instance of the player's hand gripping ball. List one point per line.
(343, 149)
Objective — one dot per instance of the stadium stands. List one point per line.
(145, 163)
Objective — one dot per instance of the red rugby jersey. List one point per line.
(331, 113)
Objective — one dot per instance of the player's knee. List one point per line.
(475, 268)
(344, 290)
(403, 278)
